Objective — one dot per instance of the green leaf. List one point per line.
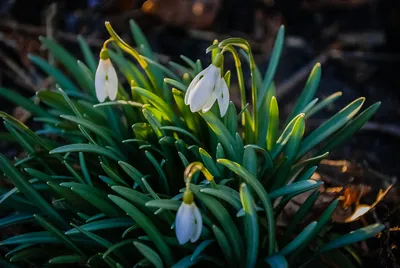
(149, 253)
(223, 217)
(300, 238)
(296, 219)
(58, 76)
(262, 194)
(103, 132)
(330, 126)
(285, 136)
(225, 245)
(99, 240)
(88, 148)
(65, 58)
(295, 188)
(98, 201)
(23, 128)
(272, 66)
(209, 162)
(87, 54)
(57, 233)
(353, 237)
(68, 259)
(29, 191)
(183, 131)
(147, 226)
(40, 238)
(133, 173)
(16, 218)
(250, 160)
(19, 100)
(222, 133)
(164, 203)
(352, 127)
(277, 261)
(113, 175)
(224, 195)
(308, 92)
(159, 103)
(324, 103)
(200, 248)
(250, 225)
(72, 198)
(159, 170)
(102, 225)
(118, 245)
(273, 124)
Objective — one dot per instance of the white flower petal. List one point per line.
(223, 97)
(193, 84)
(184, 223)
(203, 91)
(211, 99)
(112, 82)
(199, 224)
(100, 81)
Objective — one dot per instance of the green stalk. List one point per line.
(239, 72)
(128, 49)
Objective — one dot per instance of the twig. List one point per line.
(22, 77)
(51, 13)
(36, 30)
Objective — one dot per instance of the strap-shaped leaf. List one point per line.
(353, 237)
(87, 54)
(57, 233)
(295, 188)
(352, 127)
(88, 148)
(273, 64)
(250, 226)
(29, 191)
(224, 219)
(308, 92)
(149, 253)
(57, 75)
(225, 245)
(27, 104)
(262, 194)
(330, 126)
(68, 259)
(300, 238)
(222, 133)
(102, 225)
(147, 226)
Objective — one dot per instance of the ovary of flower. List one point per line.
(188, 223)
(106, 80)
(207, 87)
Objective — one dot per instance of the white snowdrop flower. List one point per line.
(188, 221)
(106, 80)
(207, 87)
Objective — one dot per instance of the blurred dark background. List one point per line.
(356, 41)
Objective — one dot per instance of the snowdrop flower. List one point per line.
(106, 80)
(188, 221)
(207, 87)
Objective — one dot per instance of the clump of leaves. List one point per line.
(100, 184)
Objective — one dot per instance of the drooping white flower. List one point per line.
(188, 221)
(106, 80)
(207, 87)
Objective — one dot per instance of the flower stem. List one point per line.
(240, 78)
(195, 167)
(131, 51)
(254, 95)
